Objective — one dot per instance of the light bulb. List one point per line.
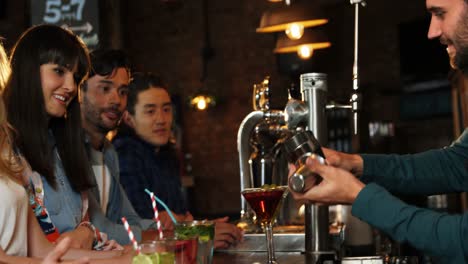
(295, 31)
(201, 104)
(305, 52)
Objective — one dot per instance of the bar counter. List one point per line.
(256, 258)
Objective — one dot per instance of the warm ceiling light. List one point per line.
(289, 17)
(313, 39)
(305, 52)
(295, 31)
(202, 102)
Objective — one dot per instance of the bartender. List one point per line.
(367, 181)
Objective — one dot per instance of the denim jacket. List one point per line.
(118, 204)
(64, 204)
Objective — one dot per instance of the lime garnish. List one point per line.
(155, 258)
(142, 259)
(167, 258)
(205, 238)
(269, 186)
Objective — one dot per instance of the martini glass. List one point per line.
(265, 202)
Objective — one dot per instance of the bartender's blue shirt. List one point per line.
(432, 172)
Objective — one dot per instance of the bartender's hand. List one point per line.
(226, 234)
(350, 162)
(337, 187)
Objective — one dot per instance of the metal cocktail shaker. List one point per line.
(301, 146)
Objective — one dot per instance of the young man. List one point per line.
(431, 172)
(104, 98)
(147, 158)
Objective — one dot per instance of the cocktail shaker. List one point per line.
(299, 147)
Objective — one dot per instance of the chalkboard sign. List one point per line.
(80, 16)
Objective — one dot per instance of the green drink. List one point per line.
(166, 258)
(156, 252)
(142, 259)
(205, 231)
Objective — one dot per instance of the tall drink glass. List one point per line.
(265, 202)
(156, 252)
(204, 230)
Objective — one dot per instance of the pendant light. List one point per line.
(292, 18)
(203, 99)
(313, 39)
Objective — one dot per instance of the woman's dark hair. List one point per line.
(25, 104)
(140, 82)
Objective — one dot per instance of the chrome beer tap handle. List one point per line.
(261, 95)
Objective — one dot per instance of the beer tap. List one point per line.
(311, 111)
(261, 130)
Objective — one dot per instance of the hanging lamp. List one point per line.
(292, 18)
(203, 99)
(313, 39)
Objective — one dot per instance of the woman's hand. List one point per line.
(112, 245)
(82, 237)
(59, 250)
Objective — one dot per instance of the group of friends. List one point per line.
(62, 181)
(64, 186)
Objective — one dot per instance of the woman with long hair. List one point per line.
(21, 238)
(48, 63)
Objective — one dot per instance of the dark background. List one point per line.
(166, 37)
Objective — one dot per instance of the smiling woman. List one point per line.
(48, 63)
(59, 88)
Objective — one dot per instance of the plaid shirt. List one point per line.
(143, 166)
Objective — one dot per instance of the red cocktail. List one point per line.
(264, 202)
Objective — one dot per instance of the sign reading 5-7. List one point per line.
(55, 11)
(80, 16)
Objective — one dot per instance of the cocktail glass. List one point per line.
(265, 202)
(205, 231)
(156, 252)
(169, 250)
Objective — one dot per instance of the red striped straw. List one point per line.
(156, 216)
(131, 236)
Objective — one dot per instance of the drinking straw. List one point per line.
(164, 205)
(131, 236)
(156, 216)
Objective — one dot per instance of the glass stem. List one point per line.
(270, 244)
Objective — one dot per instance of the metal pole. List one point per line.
(356, 97)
